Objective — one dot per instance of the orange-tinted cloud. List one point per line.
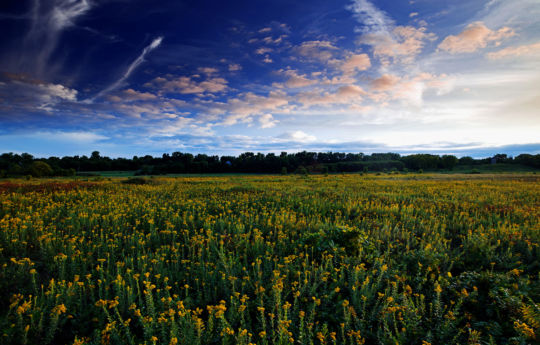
(475, 36)
(529, 49)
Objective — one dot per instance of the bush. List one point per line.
(40, 169)
(136, 180)
(301, 170)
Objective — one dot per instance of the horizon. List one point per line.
(209, 154)
(125, 79)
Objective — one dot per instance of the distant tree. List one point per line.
(466, 160)
(95, 155)
(40, 169)
(449, 162)
(284, 171)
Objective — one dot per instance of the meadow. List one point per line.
(338, 259)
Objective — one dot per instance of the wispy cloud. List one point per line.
(47, 23)
(388, 41)
(140, 59)
(523, 50)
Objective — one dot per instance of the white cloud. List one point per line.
(297, 136)
(267, 121)
(153, 45)
(47, 24)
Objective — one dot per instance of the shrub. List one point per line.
(136, 180)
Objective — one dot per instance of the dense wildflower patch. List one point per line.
(344, 259)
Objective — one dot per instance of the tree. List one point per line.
(449, 162)
(40, 169)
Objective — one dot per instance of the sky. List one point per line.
(137, 77)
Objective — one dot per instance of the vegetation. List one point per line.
(338, 259)
(312, 162)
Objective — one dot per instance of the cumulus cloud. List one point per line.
(267, 121)
(131, 95)
(267, 59)
(188, 85)
(385, 82)
(233, 67)
(344, 95)
(475, 36)
(403, 43)
(356, 62)
(250, 103)
(523, 50)
(31, 94)
(208, 70)
(316, 50)
(296, 80)
(263, 50)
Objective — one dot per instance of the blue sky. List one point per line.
(224, 77)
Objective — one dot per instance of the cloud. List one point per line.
(274, 41)
(234, 67)
(46, 25)
(475, 36)
(413, 14)
(316, 50)
(389, 42)
(403, 43)
(348, 95)
(267, 121)
(373, 19)
(188, 85)
(297, 136)
(356, 62)
(523, 50)
(295, 80)
(385, 82)
(267, 59)
(263, 50)
(241, 108)
(29, 94)
(140, 59)
(131, 95)
(208, 70)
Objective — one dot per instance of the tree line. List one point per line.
(301, 162)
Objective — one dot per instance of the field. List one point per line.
(339, 259)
